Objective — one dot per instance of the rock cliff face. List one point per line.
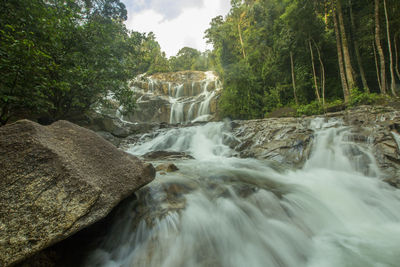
(177, 97)
(289, 140)
(56, 180)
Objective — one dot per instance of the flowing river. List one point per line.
(220, 210)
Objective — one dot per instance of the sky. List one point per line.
(176, 23)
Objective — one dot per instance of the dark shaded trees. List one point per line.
(59, 58)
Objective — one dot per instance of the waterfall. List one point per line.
(191, 112)
(219, 210)
(179, 91)
(188, 100)
(177, 114)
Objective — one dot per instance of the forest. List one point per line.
(60, 58)
(306, 54)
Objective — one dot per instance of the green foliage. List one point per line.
(334, 103)
(260, 38)
(152, 59)
(241, 95)
(272, 100)
(185, 59)
(190, 59)
(59, 58)
(18, 88)
(362, 98)
(313, 108)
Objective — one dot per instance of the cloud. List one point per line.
(169, 9)
(185, 29)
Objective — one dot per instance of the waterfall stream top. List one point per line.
(220, 210)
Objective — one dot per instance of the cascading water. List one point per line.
(177, 112)
(219, 210)
(188, 100)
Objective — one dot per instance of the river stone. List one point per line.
(56, 180)
(163, 155)
(286, 140)
(167, 167)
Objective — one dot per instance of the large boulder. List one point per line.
(115, 126)
(56, 180)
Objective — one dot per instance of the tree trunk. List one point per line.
(379, 48)
(347, 60)
(322, 74)
(314, 73)
(357, 50)
(293, 78)
(346, 93)
(392, 77)
(377, 67)
(396, 55)
(240, 34)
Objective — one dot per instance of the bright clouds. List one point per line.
(170, 9)
(176, 23)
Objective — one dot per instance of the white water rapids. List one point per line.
(219, 210)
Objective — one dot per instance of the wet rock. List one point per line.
(57, 180)
(214, 105)
(167, 167)
(211, 87)
(286, 140)
(110, 138)
(110, 123)
(174, 190)
(289, 140)
(283, 112)
(165, 155)
(180, 76)
(153, 109)
(167, 197)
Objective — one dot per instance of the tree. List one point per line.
(345, 86)
(357, 49)
(393, 78)
(290, 55)
(151, 59)
(19, 89)
(379, 48)
(346, 54)
(185, 59)
(60, 57)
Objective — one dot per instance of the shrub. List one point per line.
(314, 108)
(363, 98)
